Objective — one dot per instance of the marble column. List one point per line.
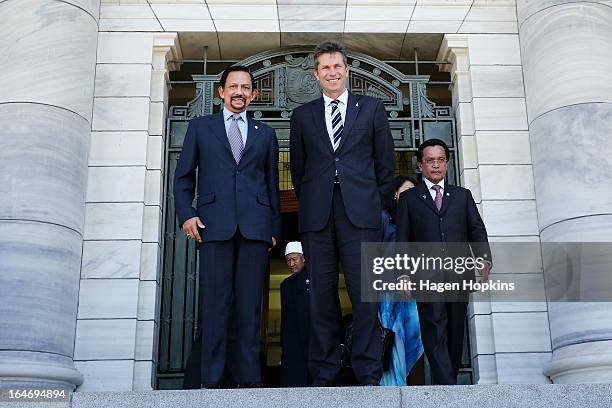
(48, 49)
(510, 341)
(567, 60)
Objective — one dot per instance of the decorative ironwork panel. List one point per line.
(301, 85)
(266, 95)
(285, 79)
(179, 300)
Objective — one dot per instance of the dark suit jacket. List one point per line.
(230, 195)
(365, 162)
(295, 323)
(458, 221)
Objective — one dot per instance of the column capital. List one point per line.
(454, 50)
(166, 48)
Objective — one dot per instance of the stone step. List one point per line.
(470, 396)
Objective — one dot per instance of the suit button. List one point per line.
(237, 172)
(441, 219)
(337, 159)
(443, 234)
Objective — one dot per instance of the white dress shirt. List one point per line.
(343, 99)
(432, 192)
(243, 125)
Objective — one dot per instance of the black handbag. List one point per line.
(387, 338)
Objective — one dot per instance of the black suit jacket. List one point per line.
(457, 222)
(365, 162)
(230, 195)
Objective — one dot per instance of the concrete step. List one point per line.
(472, 396)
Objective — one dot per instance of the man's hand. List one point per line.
(190, 227)
(485, 271)
(273, 244)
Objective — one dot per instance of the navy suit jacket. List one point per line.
(230, 195)
(458, 221)
(365, 162)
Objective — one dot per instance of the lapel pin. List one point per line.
(448, 194)
(256, 127)
(423, 196)
(357, 104)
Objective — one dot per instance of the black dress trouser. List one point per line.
(231, 283)
(442, 332)
(340, 240)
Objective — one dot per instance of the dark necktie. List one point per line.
(337, 125)
(438, 199)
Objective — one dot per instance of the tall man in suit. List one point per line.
(435, 211)
(236, 221)
(342, 164)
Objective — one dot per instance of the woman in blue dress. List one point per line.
(401, 315)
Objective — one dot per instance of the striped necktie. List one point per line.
(235, 138)
(337, 124)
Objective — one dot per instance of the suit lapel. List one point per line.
(352, 109)
(425, 196)
(218, 128)
(318, 113)
(447, 198)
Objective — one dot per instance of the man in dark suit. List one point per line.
(342, 164)
(435, 211)
(295, 319)
(236, 221)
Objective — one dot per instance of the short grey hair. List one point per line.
(329, 47)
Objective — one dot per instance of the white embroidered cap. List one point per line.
(294, 247)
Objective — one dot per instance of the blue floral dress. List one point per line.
(403, 318)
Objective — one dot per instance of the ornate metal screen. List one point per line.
(284, 80)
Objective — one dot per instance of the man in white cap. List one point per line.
(295, 319)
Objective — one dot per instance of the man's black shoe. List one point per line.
(211, 386)
(251, 385)
(323, 383)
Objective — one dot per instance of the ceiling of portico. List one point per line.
(235, 29)
(236, 46)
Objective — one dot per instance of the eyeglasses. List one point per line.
(431, 162)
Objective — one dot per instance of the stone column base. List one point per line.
(24, 369)
(581, 363)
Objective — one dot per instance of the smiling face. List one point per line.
(331, 72)
(238, 91)
(434, 165)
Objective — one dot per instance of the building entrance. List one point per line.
(418, 103)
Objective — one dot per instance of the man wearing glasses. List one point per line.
(437, 212)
